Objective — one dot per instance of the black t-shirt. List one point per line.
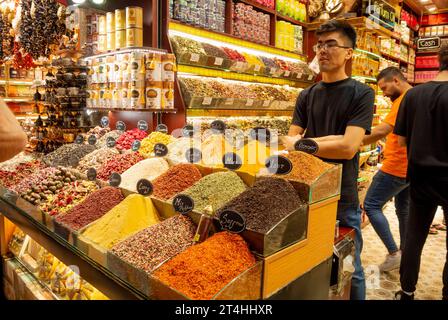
(423, 120)
(327, 109)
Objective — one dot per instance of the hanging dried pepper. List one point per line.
(20, 60)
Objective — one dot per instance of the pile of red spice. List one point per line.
(201, 271)
(92, 208)
(126, 140)
(119, 164)
(175, 180)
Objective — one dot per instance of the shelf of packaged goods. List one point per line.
(258, 6)
(238, 76)
(391, 57)
(293, 21)
(365, 78)
(237, 113)
(368, 53)
(230, 39)
(22, 215)
(121, 51)
(136, 110)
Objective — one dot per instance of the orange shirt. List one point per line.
(395, 157)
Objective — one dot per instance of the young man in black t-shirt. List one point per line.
(422, 125)
(330, 121)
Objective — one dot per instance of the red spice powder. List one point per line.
(119, 164)
(201, 271)
(92, 208)
(175, 180)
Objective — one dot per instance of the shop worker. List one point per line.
(422, 124)
(12, 138)
(390, 181)
(330, 121)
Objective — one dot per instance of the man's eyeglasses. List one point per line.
(328, 46)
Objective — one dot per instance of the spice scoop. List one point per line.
(203, 230)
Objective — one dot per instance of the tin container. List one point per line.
(137, 95)
(102, 42)
(102, 25)
(120, 19)
(110, 22)
(168, 95)
(136, 68)
(134, 17)
(134, 37)
(125, 101)
(111, 41)
(120, 38)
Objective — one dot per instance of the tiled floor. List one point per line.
(430, 279)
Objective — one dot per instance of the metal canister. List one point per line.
(110, 21)
(120, 38)
(168, 95)
(102, 25)
(134, 17)
(134, 37)
(120, 19)
(111, 41)
(153, 67)
(137, 66)
(168, 67)
(125, 101)
(102, 42)
(153, 95)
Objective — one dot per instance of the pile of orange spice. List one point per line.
(201, 271)
(305, 167)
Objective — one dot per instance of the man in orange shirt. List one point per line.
(390, 181)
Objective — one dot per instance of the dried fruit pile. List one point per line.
(119, 164)
(125, 141)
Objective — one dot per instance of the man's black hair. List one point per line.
(339, 26)
(389, 73)
(443, 58)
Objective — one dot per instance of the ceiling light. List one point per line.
(98, 1)
(431, 8)
(425, 1)
(78, 1)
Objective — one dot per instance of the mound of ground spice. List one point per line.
(175, 180)
(92, 208)
(201, 271)
(150, 247)
(305, 167)
(265, 204)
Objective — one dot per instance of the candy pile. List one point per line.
(124, 142)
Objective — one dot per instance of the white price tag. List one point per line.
(194, 57)
(257, 68)
(207, 101)
(250, 102)
(287, 73)
(310, 77)
(219, 61)
(299, 75)
(273, 70)
(230, 101)
(266, 103)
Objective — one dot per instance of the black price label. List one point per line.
(232, 221)
(188, 131)
(218, 126)
(92, 140)
(232, 161)
(162, 128)
(307, 145)
(278, 165)
(193, 155)
(79, 139)
(104, 122)
(142, 125)
(144, 187)
(111, 142)
(91, 174)
(115, 179)
(183, 204)
(120, 126)
(160, 150)
(136, 145)
(261, 134)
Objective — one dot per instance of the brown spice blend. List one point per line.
(305, 167)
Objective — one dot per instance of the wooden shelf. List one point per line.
(135, 110)
(229, 38)
(258, 6)
(293, 21)
(237, 112)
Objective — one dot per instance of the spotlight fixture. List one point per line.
(98, 1)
